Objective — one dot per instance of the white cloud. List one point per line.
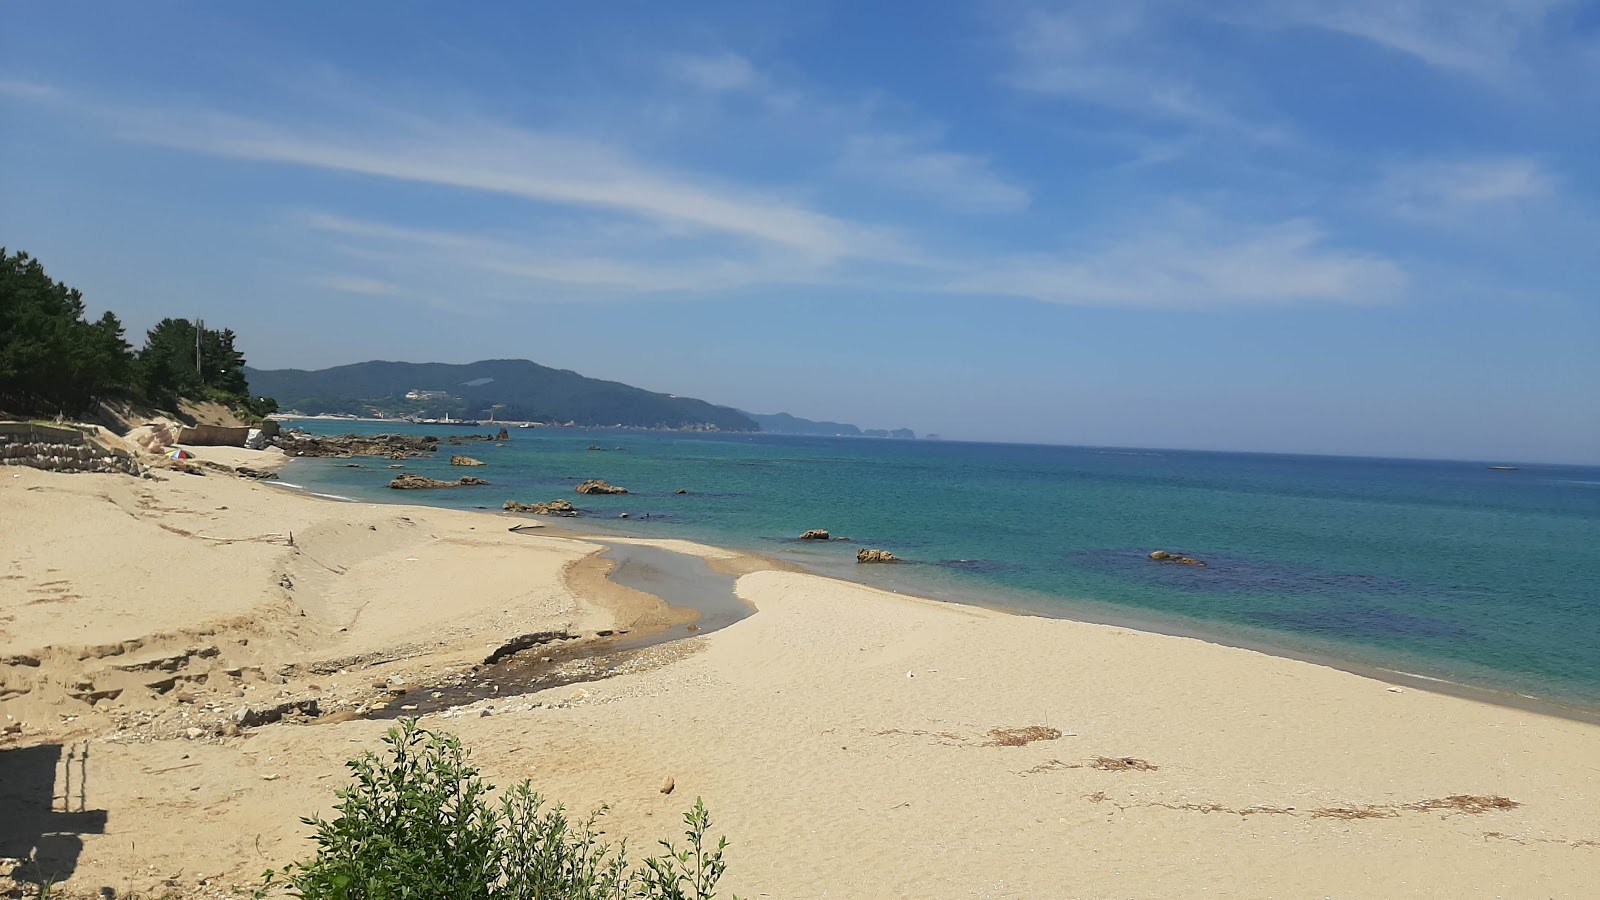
(724, 73)
(1194, 261)
(961, 181)
(1445, 191)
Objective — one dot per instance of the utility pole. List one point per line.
(199, 326)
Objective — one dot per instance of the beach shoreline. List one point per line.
(843, 735)
(1084, 610)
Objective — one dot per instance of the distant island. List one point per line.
(515, 390)
(783, 423)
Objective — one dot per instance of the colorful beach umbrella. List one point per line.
(179, 454)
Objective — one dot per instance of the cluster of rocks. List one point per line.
(411, 481)
(465, 461)
(344, 446)
(1164, 556)
(596, 486)
(556, 507)
(40, 450)
(816, 534)
(876, 556)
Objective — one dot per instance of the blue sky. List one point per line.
(1358, 227)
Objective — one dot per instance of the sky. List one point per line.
(1369, 227)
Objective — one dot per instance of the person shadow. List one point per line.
(41, 825)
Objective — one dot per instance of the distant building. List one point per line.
(427, 395)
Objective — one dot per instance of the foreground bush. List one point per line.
(420, 824)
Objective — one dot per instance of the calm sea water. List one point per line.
(1444, 569)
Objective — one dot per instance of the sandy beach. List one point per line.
(849, 742)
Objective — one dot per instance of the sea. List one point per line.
(1455, 573)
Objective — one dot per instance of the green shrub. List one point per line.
(420, 825)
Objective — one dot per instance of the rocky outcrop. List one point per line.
(1164, 556)
(553, 508)
(344, 446)
(411, 481)
(504, 435)
(465, 461)
(815, 534)
(596, 486)
(876, 556)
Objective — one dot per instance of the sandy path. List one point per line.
(842, 736)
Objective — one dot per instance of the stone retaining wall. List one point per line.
(60, 449)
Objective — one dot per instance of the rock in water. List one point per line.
(411, 481)
(465, 461)
(876, 556)
(1164, 556)
(815, 534)
(596, 486)
(504, 435)
(556, 507)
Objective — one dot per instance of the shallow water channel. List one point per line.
(556, 659)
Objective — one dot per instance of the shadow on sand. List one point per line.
(41, 824)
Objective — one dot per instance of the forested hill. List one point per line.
(510, 389)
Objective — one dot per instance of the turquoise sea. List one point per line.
(1449, 570)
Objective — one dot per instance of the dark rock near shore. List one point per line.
(1164, 556)
(556, 507)
(465, 461)
(246, 717)
(344, 446)
(411, 481)
(596, 486)
(503, 435)
(680, 491)
(876, 556)
(815, 534)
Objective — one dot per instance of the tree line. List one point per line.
(53, 360)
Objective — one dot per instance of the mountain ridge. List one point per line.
(511, 389)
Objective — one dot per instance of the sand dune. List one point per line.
(850, 742)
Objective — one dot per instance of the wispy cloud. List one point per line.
(1445, 191)
(723, 72)
(1484, 38)
(588, 264)
(1190, 260)
(357, 284)
(1120, 57)
(959, 180)
(520, 162)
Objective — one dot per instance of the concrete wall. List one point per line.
(60, 449)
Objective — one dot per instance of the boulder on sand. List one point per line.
(876, 556)
(553, 508)
(1164, 556)
(411, 481)
(596, 486)
(815, 534)
(465, 461)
